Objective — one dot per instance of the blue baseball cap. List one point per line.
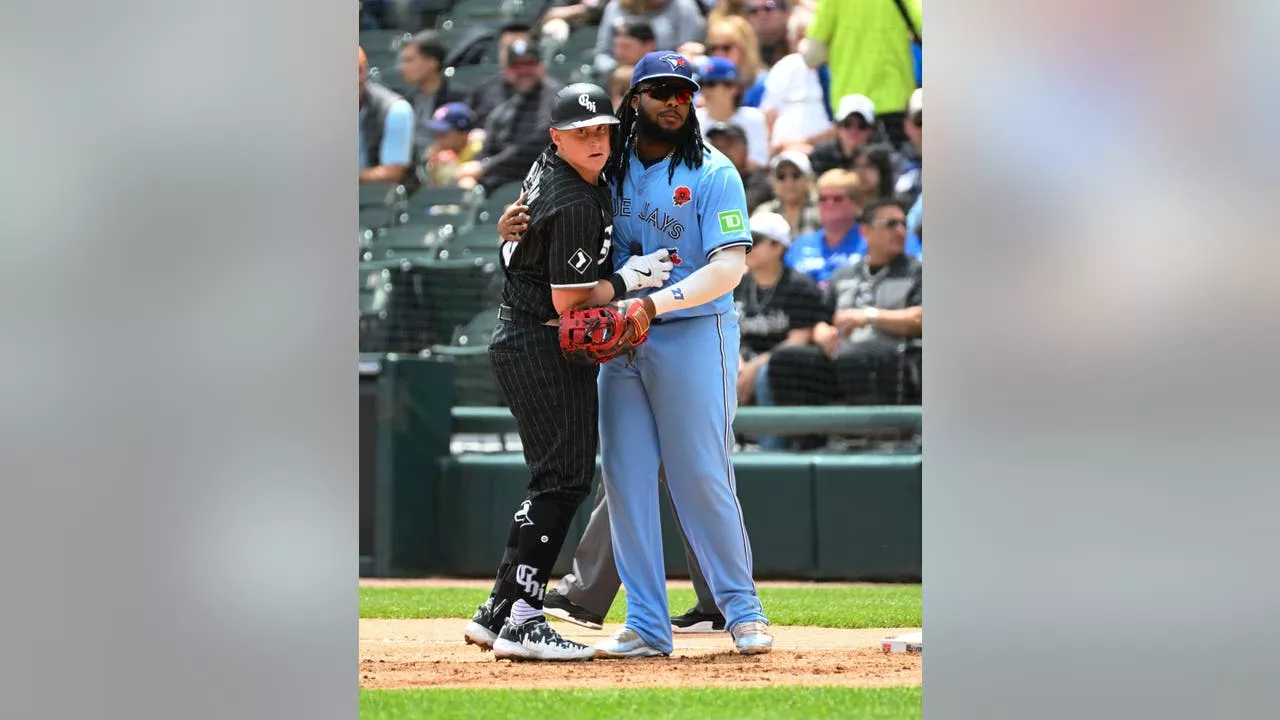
(453, 116)
(664, 64)
(719, 69)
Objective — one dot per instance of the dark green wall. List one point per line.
(809, 516)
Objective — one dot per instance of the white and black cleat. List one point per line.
(536, 640)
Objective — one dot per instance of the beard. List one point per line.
(650, 128)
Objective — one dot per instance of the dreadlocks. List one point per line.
(688, 149)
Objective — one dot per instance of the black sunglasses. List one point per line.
(891, 224)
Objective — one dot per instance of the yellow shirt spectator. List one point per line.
(868, 49)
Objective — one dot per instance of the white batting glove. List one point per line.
(647, 271)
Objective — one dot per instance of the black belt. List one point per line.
(506, 313)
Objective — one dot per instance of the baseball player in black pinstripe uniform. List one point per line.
(554, 268)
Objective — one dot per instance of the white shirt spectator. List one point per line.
(792, 90)
(751, 120)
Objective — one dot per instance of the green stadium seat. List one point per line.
(383, 42)
(469, 76)
(429, 300)
(380, 194)
(473, 381)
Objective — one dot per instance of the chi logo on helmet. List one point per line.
(681, 196)
(585, 101)
(675, 61)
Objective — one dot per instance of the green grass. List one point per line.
(648, 704)
(840, 607)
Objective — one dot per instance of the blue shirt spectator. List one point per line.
(397, 135)
(385, 130)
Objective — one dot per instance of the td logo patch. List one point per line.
(731, 221)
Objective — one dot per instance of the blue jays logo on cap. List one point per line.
(664, 64)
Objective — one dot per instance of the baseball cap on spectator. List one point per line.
(453, 116)
(860, 104)
(523, 51)
(730, 129)
(664, 65)
(772, 226)
(637, 28)
(794, 157)
(719, 69)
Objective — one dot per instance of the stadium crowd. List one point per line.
(816, 102)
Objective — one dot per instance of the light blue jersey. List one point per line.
(674, 404)
(698, 212)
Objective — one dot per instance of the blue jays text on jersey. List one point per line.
(699, 211)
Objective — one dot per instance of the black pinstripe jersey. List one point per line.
(568, 241)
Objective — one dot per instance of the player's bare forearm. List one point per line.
(718, 277)
(382, 173)
(908, 322)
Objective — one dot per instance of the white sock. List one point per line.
(523, 611)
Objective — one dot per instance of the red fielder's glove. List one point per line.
(599, 334)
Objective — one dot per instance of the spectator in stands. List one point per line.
(838, 242)
(724, 8)
(516, 131)
(875, 304)
(731, 140)
(421, 66)
(794, 101)
(558, 18)
(794, 199)
(619, 84)
(777, 307)
(722, 103)
(674, 23)
(908, 185)
(733, 37)
(866, 45)
(855, 127)
(874, 165)
(497, 89)
(454, 143)
(632, 40)
(769, 18)
(385, 130)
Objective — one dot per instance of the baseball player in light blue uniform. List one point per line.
(675, 402)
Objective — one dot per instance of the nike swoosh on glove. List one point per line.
(647, 271)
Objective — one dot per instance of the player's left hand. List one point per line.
(647, 271)
(514, 220)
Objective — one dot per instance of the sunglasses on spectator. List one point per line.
(891, 224)
(721, 48)
(787, 175)
(664, 93)
(856, 122)
(762, 7)
(833, 198)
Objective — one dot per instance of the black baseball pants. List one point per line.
(555, 406)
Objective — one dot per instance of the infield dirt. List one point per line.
(431, 653)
